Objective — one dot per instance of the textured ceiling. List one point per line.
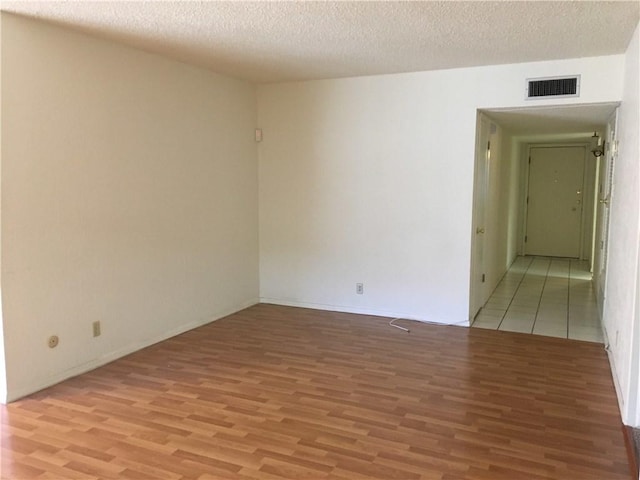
(280, 41)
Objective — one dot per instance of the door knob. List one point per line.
(479, 230)
(604, 201)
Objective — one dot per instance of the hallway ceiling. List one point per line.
(283, 41)
(570, 119)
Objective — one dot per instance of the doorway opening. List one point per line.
(538, 227)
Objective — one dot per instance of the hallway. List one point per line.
(544, 296)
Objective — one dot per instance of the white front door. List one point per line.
(555, 201)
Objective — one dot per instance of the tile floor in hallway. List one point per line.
(544, 296)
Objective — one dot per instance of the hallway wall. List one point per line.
(501, 215)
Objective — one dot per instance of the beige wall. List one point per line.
(129, 196)
(3, 379)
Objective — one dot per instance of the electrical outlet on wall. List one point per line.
(96, 328)
(359, 288)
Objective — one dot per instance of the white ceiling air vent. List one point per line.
(553, 87)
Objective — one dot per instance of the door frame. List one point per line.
(585, 186)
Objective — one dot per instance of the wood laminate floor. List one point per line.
(278, 392)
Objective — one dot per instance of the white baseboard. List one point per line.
(111, 356)
(359, 310)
